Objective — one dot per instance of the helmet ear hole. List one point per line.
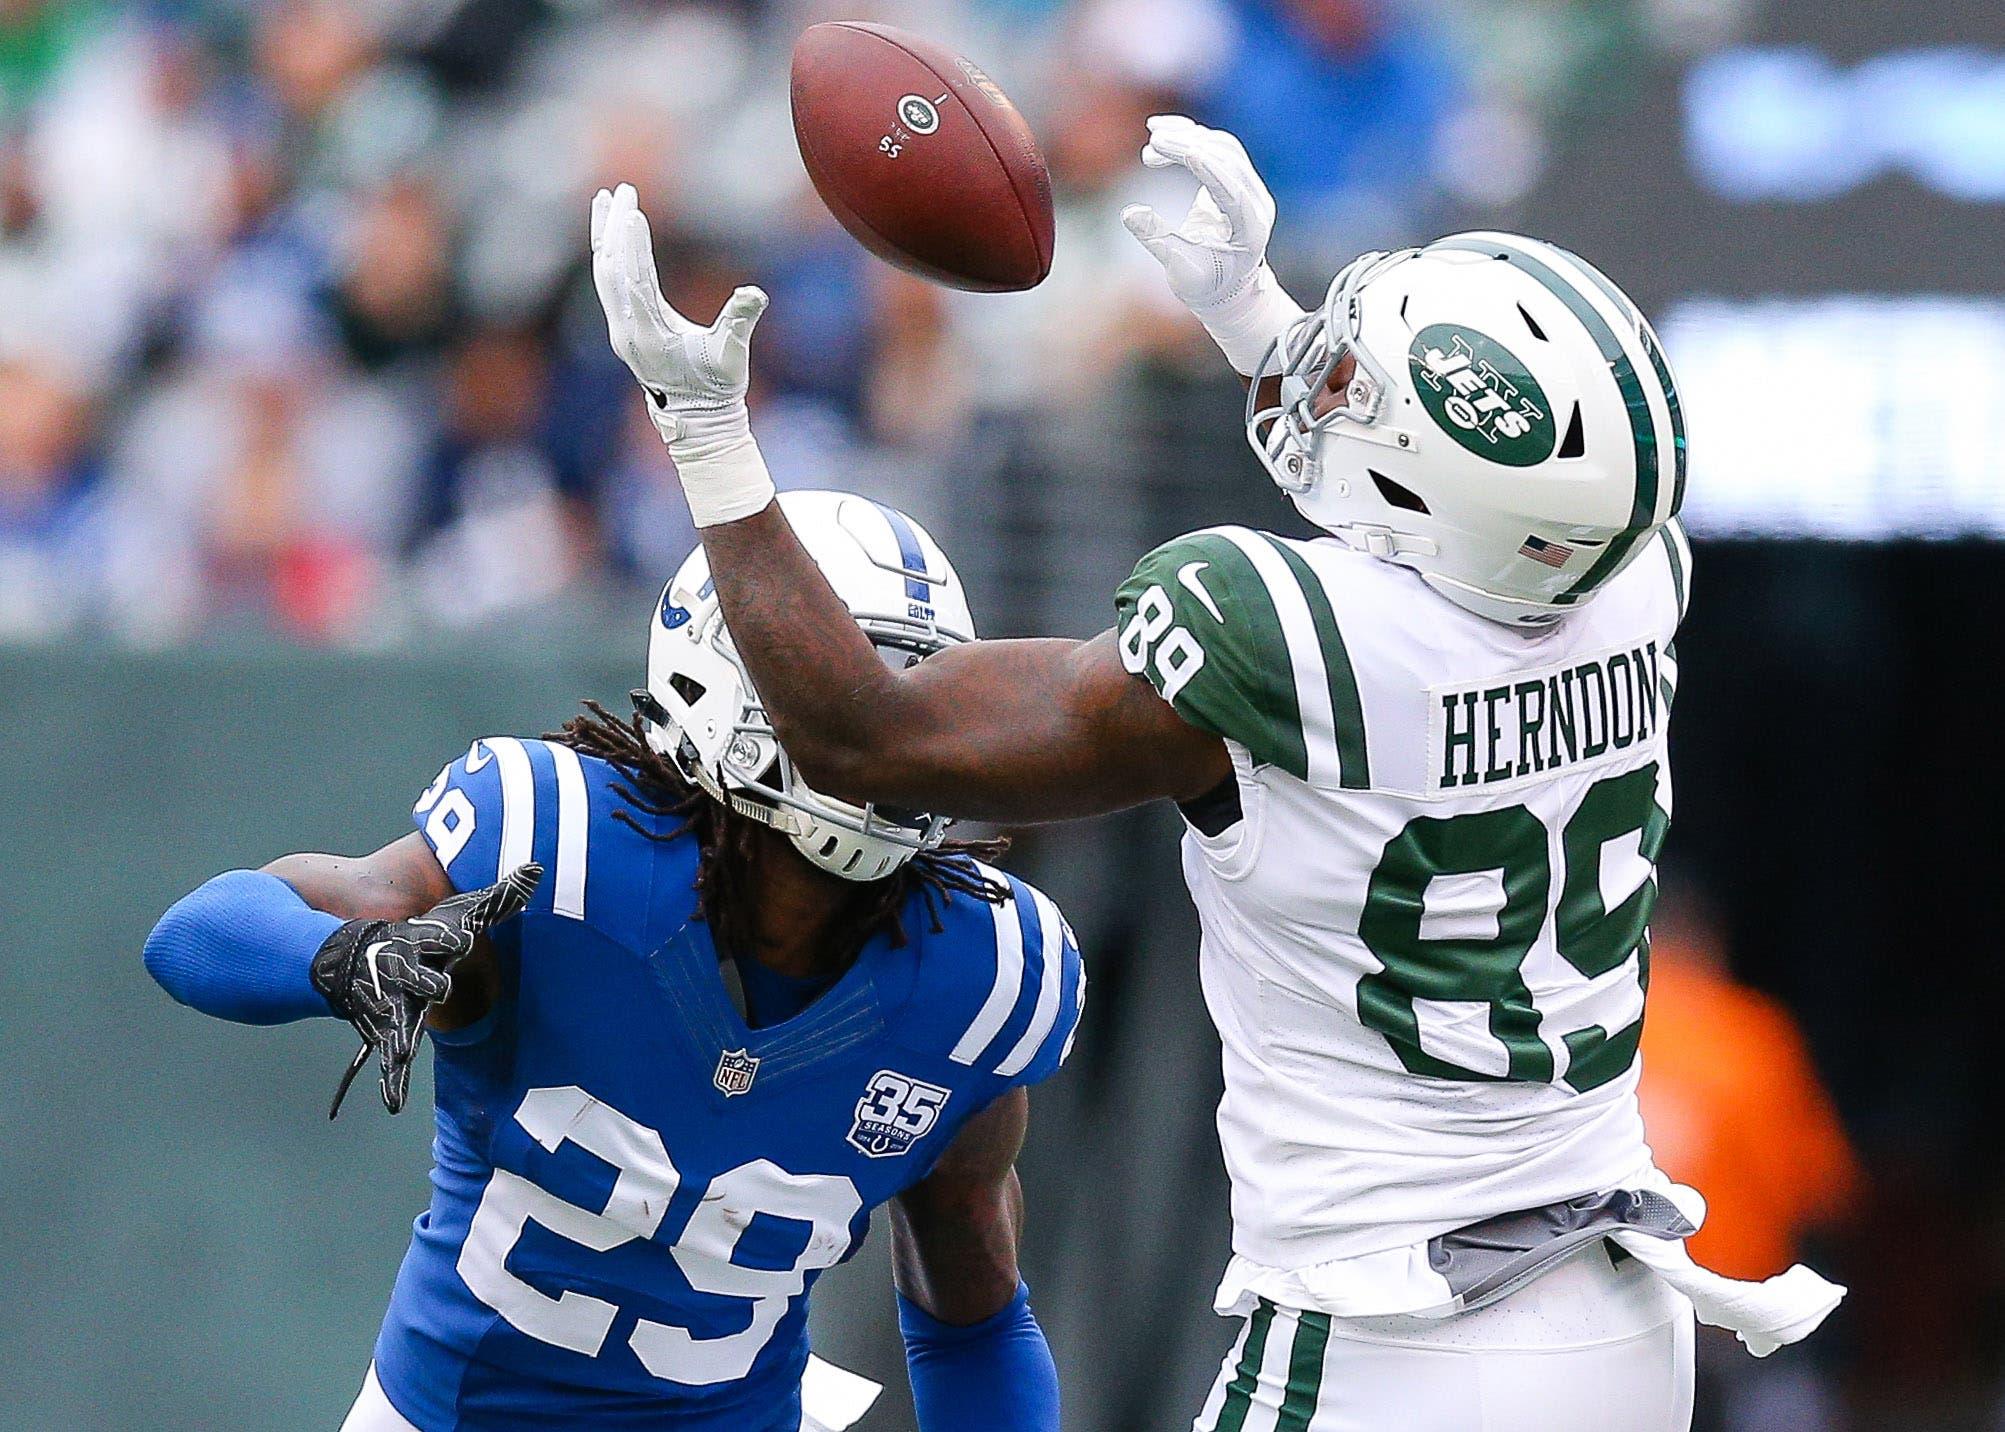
(1575, 442)
(687, 687)
(1396, 495)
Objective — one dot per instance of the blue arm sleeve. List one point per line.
(996, 1376)
(240, 948)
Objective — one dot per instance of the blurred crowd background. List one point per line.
(310, 441)
(295, 332)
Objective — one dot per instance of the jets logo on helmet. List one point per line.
(702, 712)
(1482, 396)
(1533, 415)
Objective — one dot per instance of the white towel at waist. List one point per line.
(1765, 1315)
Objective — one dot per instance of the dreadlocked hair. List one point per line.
(727, 843)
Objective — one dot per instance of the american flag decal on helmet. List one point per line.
(1553, 554)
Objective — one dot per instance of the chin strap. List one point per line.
(1385, 542)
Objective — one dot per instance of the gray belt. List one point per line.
(1486, 1261)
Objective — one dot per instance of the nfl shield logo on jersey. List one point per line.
(736, 1069)
(895, 1112)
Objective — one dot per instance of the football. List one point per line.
(921, 157)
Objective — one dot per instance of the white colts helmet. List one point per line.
(1511, 431)
(701, 712)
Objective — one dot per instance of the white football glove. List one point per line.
(1216, 259)
(695, 378)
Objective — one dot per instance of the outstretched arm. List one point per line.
(977, 1358)
(1005, 731)
(994, 730)
(371, 939)
(1008, 731)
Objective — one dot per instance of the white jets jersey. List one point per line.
(1424, 936)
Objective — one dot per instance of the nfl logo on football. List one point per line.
(895, 1112)
(736, 1069)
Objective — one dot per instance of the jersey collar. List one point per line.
(727, 1052)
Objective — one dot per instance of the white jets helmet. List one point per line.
(1511, 430)
(700, 711)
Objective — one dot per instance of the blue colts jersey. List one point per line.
(633, 1191)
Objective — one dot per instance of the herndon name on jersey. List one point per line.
(1576, 714)
(633, 1189)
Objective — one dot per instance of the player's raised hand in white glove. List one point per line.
(695, 377)
(1213, 254)
(1216, 259)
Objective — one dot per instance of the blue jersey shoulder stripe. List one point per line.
(574, 824)
(1055, 1045)
(1008, 981)
(1025, 1026)
(518, 800)
(508, 801)
(1051, 971)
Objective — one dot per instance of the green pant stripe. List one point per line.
(1305, 1373)
(1642, 424)
(1239, 1396)
(1347, 711)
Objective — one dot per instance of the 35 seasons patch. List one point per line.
(1481, 395)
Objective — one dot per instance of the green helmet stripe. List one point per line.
(1642, 423)
(1658, 364)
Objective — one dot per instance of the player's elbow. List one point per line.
(849, 770)
(166, 952)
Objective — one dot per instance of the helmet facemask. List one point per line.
(1306, 359)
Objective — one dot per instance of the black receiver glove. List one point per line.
(383, 976)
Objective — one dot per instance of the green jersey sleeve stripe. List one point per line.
(1680, 554)
(1347, 711)
(1244, 689)
(1642, 423)
(1304, 654)
(1255, 620)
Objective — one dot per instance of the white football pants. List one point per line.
(372, 1412)
(1587, 1348)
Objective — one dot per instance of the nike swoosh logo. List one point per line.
(1187, 579)
(375, 979)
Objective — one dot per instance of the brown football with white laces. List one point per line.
(922, 157)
